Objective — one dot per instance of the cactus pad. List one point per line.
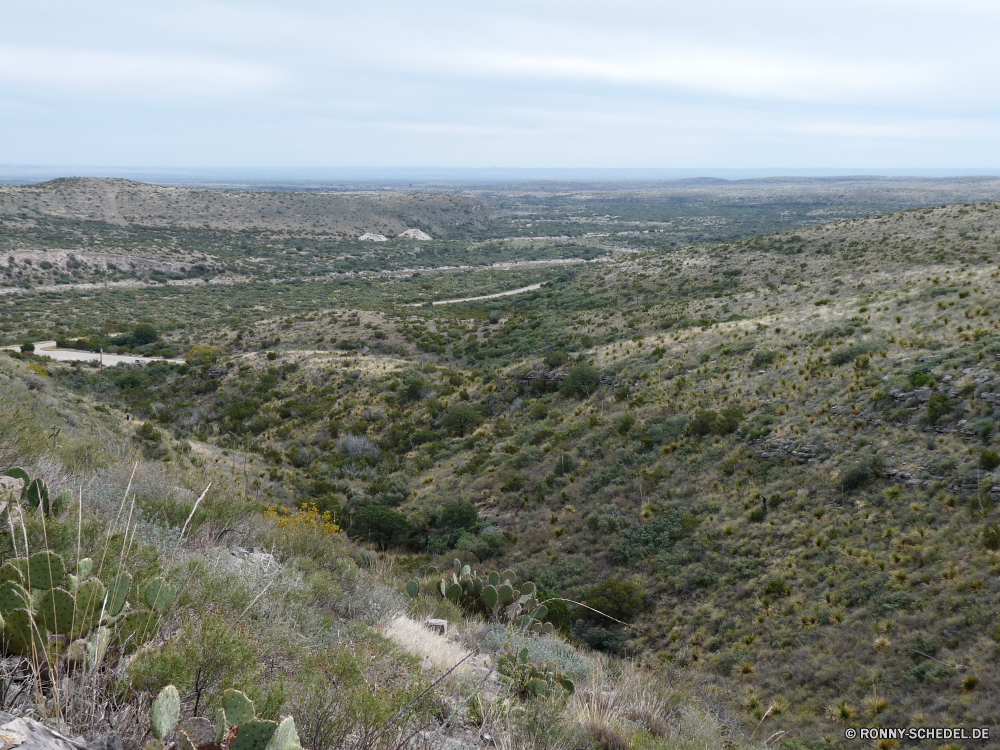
(508, 576)
(56, 610)
(454, 592)
(10, 572)
(254, 735)
(89, 601)
(183, 741)
(12, 597)
(221, 726)
(159, 595)
(45, 570)
(153, 744)
(84, 567)
(489, 597)
(494, 579)
(540, 611)
(547, 628)
(458, 566)
(527, 588)
(37, 494)
(98, 644)
(442, 588)
(239, 709)
(165, 712)
(538, 687)
(18, 632)
(506, 594)
(117, 593)
(285, 737)
(136, 628)
(413, 588)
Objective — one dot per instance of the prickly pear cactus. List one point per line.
(45, 570)
(57, 609)
(35, 493)
(254, 735)
(165, 713)
(238, 708)
(159, 595)
(45, 613)
(412, 588)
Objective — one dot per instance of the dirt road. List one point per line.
(48, 349)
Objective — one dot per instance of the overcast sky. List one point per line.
(713, 83)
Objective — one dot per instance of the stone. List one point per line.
(414, 234)
(373, 237)
(12, 485)
(438, 626)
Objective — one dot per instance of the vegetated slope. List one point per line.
(314, 627)
(126, 203)
(780, 468)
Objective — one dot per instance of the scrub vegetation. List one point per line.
(752, 483)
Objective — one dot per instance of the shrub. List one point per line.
(989, 460)
(460, 419)
(777, 587)
(581, 381)
(762, 358)
(617, 598)
(708, 422)
(27, 346)
(851, 352)
(203, 354)
(624, 424)
(357, 445)
(144, 334)
(938, 408)
(381, 525)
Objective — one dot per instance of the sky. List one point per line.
(714, 84)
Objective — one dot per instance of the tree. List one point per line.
(581, 381)
(461, 418)
(379, 524)
(144, 334)
(27, 346)
(622, 600)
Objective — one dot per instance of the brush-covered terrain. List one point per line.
(766, 466)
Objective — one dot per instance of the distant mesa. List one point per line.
(413, 234)
(372, 237)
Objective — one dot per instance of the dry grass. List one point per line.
(415, 638)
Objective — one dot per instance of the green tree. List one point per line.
(379, 524)
(989, 460)
(144, 334)
(27, 346)
(620, 599)
(581, 381)
(460, 419)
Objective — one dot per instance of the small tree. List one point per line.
(379, 524)
(27, 347)
(581, 381)
(461, 418)
(144, 334)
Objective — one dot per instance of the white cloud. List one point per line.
(86, 71)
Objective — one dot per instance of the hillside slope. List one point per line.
(125, 203)
(774, 457)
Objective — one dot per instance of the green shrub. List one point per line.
(581, 381)
(762, 358)
(938, 408)
(379, 524)
(461, 419)
(708, 422)
(989, 460)
(615, 597)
